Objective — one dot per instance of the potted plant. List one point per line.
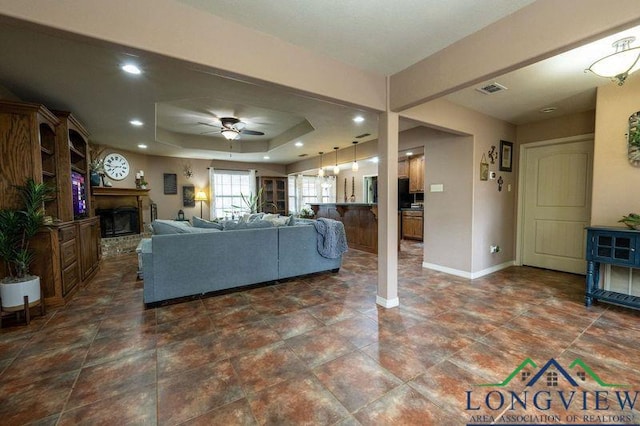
(96, 166)
(17, 228)
(253, 203)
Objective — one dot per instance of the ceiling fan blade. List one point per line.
(208, 124)
(252, 132)
(210, 131)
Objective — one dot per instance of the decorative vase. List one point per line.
(12, 294)
(94, 178)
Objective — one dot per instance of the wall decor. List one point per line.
(493, 154)
(500, 183)
(633, 149)
(484, 168)
(345, 190)
(188, 196)
(170, 183)
(506, 156)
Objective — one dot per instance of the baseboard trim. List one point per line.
(387, 303)
(466, 274)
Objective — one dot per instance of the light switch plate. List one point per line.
(436, 187)
(492, 175)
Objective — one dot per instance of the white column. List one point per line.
(388, 210)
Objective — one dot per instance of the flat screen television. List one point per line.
(78, 190)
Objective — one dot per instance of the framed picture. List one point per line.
(484, 171)
(506, 156)
(188, 196)
(170, 183)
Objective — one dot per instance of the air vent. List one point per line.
(363, 135)
(303, 155)
(492, 88)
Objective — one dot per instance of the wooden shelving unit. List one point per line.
(274, 194)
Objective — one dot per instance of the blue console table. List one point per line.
(614, 246)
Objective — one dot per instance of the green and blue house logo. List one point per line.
(552, 394)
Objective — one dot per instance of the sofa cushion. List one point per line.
(164, 227)
(230, 225)
(251, 217)
(168, 227)
(198, 222)
(276, 219)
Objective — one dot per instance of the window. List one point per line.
(228, 187)
(305, 190)
(552, 378)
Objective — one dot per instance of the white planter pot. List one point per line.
(12, 294)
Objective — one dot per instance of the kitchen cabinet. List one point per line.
(403, 169)
(412, 224)
(416, 174)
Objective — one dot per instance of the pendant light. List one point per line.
(354, 165)
(321, 170)
(336, 169)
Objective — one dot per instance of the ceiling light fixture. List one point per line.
(358, 119)
(266, 157)
(409, 154)
(354, 165)
(230, 134)
(136, 123)
(131, 69)
(336, 168)
(620, 64)
(321, 171)
(375, 160)
(142, 146)
(298, 144)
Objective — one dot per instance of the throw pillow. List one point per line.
(198, 222)
(164, 227)
(231, 225)
(276, 219)
(251, 217)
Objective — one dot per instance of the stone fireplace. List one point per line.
(118, 222)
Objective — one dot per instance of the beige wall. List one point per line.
(581, 123)
(492, 212)
(365, 168)
(168, 205)
(615, 181)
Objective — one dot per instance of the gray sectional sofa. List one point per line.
(185, 264)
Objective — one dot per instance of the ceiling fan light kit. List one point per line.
(619, 65)
(232, 127)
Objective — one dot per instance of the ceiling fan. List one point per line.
(231, 128)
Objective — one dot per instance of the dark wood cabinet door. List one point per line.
(89, 233)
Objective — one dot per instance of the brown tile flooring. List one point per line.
(314, 350)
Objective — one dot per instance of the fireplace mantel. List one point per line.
(109, 196)
(101, 191)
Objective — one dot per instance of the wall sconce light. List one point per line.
(620, 64)
(354, 165)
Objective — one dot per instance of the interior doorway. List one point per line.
(555, 200)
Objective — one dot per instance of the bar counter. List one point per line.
(360, 222)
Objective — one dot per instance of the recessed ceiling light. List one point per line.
(131, 69)
(266, 157)
(548, 110)
(358, 119)
(136, 123)
(409, 153)
(375, 159)
(298, 144)
(142, 146)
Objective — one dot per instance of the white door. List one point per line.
(557, 201)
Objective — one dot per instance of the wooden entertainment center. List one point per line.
(51, 146)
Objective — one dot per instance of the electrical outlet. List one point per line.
(494, 249)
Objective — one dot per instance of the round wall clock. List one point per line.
(116, 166)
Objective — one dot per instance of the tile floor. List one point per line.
(315, 350)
